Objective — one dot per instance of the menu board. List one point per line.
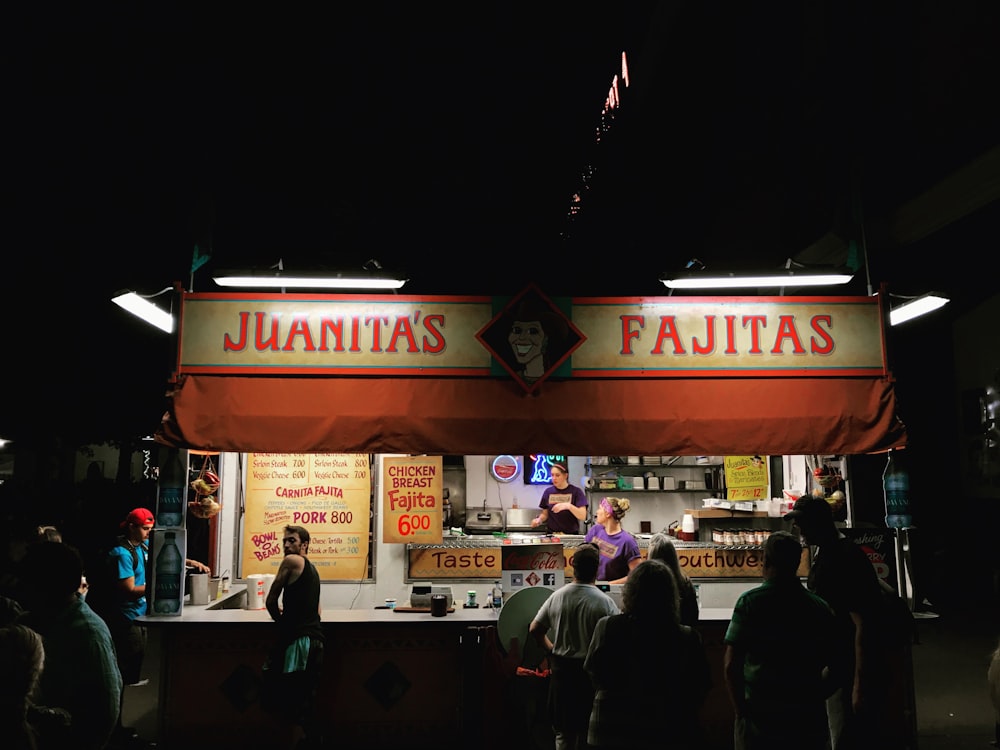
(328, 494)
(411, 499)
(746, 478)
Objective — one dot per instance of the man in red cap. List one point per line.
(130, 558)
(127, 562)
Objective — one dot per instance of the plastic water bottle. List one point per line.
(169, 568)
(497, 595)
(170, 492)
(896, 486)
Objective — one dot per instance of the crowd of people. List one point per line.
(824, 688)
(67, 663)
(66, 667)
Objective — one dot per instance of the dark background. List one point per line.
(450, 144)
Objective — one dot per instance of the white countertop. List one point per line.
(203, 614)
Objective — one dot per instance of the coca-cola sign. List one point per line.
(505, 468)
(533, 557)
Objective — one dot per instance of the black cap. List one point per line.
(811, 508)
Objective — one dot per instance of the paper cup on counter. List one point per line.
(256, 597)
(268, 580)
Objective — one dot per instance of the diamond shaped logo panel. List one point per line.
(387, 685)
(530, 338)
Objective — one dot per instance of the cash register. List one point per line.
(420, 595)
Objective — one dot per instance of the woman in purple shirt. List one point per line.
(619, 550)
(563, 504)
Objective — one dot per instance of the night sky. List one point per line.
(449, 145)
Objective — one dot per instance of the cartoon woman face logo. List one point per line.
(530, 338)
(528, 341)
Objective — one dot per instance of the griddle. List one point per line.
(484, 521)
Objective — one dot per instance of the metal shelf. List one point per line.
(651, 492)
(724, 513)
(649, 467)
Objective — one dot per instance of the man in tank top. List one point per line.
(291, 674)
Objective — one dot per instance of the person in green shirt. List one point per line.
(81, 672)
(779, 648)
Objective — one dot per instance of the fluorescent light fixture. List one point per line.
(286, 280)
(914, 308)
(141, 306)
(777, 279)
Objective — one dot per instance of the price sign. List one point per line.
(411, 499)
(328, 494)
(746, 478)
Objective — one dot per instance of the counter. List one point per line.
(229, 609)
(389, 678)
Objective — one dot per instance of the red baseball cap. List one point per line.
(139, 517)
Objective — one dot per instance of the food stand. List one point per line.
(398, 378)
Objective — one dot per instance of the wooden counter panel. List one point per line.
(380, 681)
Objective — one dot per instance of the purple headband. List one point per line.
(608, 508)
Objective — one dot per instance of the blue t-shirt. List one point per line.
(617, 551)
(563, 521)
(131, 608)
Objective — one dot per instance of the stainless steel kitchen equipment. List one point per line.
(421, 593)
(484, 521)
(519, 519)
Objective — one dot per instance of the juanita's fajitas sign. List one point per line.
(272, 334)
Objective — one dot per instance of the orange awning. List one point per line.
(671, 417)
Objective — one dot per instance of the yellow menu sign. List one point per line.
(746, 478)
(329, 494)
(411, 499)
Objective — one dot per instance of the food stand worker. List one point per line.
(563, 504)
(619, 550)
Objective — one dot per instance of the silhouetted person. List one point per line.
(572, 613)
(18, 535)
(650, 672)
(21, 658)
(776, 683)
(49, 534)
(662, 548)
(24, 724)
(842, 575)
(10, 611)
(81, 673)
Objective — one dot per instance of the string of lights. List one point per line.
(612, 104)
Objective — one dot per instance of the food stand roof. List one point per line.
(703, 416)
